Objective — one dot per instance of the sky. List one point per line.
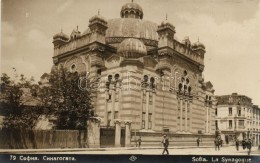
(229, 29)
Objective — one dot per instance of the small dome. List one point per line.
(186, 41)
(75, 33)
(165, 24)
(132, 10)
(198, 45)
(132, 48)
(97, 18)
(61, 35)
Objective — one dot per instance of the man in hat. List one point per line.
(165, 143)
(139, 142)
(249, 146)
(198, 142)
(237, 144)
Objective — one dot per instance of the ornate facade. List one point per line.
(146, 78)
(237, 118)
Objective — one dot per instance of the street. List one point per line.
(173, 151)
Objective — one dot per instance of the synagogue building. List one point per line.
(149, 83)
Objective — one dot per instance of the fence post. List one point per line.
(127, 133)
(93, 133)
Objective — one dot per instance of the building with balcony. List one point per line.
(146, 78)
(237, 118)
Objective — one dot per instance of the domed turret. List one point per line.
(199, 48)
(98, 24)
(132, 48)
(166, 33)
(186, 41)
(165, 24)
(132, 10)
(97, 18)
(75, 34)
(198, 45)
(59, 39)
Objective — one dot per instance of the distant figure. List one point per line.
(237, 144)
(244, 144)
(165, 143)
(249, 146)
(198, 142)
(217, 144)
(139, 142)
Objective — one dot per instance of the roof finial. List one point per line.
(77, 27)
(166, 16)
(98, 12)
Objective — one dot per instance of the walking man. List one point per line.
(237, 144)
(198, 142)
(217, 144)
(165, 142)
(139, 141)
(244, 144)
(249, 146)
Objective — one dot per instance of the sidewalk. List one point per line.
(91, 149)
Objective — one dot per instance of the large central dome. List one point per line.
(129, 27)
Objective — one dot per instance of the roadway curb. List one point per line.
(3, 151)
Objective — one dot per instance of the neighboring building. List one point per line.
(256, 125)
(237, 117)
(146, 78)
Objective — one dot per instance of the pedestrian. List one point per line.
(139, 142)
(249, 146)
(198, 142)
(221, 142)
(217, 144)
(237, 144)
(244, 144)
(165, 143)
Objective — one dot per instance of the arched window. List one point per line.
(73, 68)
(145, 78)
(182, 79)
(180, 87)
(152, 81)
(116, 77)
(185, 73)
(187, 81)
(189, 90)
(185, 87)
(109, 78)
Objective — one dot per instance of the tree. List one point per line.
(66, 101)
(18, 105)
(15, 98)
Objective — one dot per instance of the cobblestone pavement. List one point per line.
(173, 151)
